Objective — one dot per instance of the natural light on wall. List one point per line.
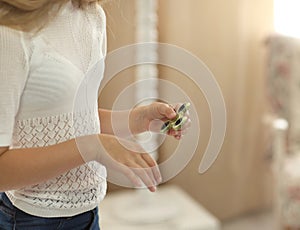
(287, 17)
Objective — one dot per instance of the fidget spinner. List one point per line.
(178, 121)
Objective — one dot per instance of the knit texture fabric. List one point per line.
(48, 95)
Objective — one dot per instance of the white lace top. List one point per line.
(40, 77)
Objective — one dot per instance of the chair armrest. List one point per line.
(280, 127)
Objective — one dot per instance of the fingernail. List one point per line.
(173, 114)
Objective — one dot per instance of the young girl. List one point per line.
(47, 48)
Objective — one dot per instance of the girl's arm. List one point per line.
(25, 167)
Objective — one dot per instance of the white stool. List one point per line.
(168, 208)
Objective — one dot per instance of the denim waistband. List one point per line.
(6, 200)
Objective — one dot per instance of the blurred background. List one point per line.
(251, 47)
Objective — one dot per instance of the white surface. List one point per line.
(168, 208)
(254, 221)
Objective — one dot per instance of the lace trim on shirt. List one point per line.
(51, 130)
(78, 187)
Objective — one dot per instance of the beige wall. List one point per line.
(229, 37)
(120, 32)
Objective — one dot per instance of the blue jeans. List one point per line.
(12, 218)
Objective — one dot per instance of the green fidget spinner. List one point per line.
(178, 121)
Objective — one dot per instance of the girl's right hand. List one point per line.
(130, 159)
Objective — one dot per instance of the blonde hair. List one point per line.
(28, 15)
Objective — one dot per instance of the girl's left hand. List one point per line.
(157, 113)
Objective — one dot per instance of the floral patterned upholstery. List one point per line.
(283, 87)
